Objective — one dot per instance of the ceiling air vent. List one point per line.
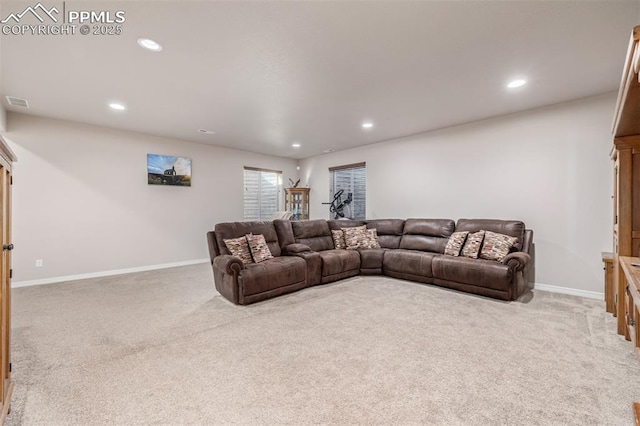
(19, 102)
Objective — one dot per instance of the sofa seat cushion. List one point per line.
(412, 262)
(271, 274)
(371, 258)
(337, 261)
(477, 272)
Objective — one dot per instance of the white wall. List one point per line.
(3, 119)
(549, 167)
(81, 201)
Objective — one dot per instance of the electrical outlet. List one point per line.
(39, 263)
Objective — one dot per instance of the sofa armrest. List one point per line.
(517, 260)
(228, 264)
(314, 265)
(296, 248)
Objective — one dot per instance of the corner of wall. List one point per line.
(3, 118)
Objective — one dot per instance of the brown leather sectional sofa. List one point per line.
(411, 249)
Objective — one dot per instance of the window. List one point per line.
(262, 193)
(351, 203)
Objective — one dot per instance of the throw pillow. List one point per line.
(239, 247)
(455, 243)
(354, 237)
(472, 246)
(259, 248)
(496, 246)
(371, 239)
(338, 239)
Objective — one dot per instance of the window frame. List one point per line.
(263, 213)
(359, 199)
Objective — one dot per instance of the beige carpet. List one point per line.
(163, 347)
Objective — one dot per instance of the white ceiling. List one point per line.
(266, 74)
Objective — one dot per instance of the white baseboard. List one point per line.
(571, 291)
(106, 273)
(17, 284)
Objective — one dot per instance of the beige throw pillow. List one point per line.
(239, 247)
(355, 236)
(259, 248)
(496, 246)
(371, 239)
(472, 246)
(455, 243)
(338, 239)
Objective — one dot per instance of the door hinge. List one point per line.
(10, 273)
(10, 368)
(11, 180)
(627, 289)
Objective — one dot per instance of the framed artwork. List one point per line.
(168, 170)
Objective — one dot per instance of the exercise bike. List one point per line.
(341, 209)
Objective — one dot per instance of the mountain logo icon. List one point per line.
(39, 11)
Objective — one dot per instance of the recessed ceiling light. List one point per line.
(207, 132)
(117, 106)
(516, 83)
(295, 145)
(367, 125)
(149, 44)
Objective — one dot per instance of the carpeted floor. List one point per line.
(163, 347)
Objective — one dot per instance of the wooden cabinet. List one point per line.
(626, 175)
(609, 291)
(626, 218)
(631, 306)
(626, 198)
(297, 202)
(6, 384)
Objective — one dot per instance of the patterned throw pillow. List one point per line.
(455, 243)
(371, 239)
(338, 239)
(239, 247)
(472, 246)
(259, 248)
(354, 237)
(496, 246)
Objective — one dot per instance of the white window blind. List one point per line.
(352, 179)
(262, 193)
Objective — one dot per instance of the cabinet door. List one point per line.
(305, 205)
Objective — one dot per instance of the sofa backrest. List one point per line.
(228, 230)
(426, 234)
(389, 231)
(314, 233)
(344, 223)
(513, 228)
(214, 250)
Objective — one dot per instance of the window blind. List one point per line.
(352, 179)
(262, 193)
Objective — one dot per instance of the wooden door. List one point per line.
(6, 384)
(5, 274)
